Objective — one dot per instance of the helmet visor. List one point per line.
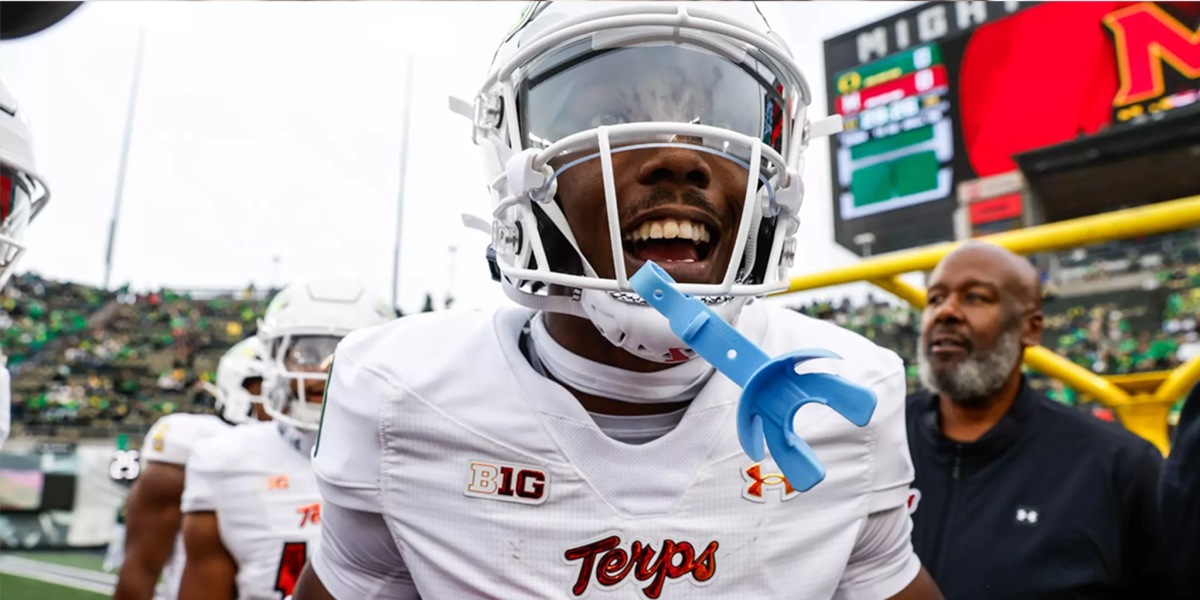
(308, 353)
(578, 88)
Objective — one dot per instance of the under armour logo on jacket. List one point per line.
(1027, 516)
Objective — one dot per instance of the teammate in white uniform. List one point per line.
(153, 539)
(23, 194)
(252, 507)
(581, 449)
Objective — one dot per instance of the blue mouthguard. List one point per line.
(772, 390)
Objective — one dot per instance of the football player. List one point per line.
(153, 540)
(252, 510)
(23, 194)
(576, 445)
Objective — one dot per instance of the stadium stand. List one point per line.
(88, 363)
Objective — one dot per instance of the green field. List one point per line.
(89, 560)
(19, 588)
(13, 587)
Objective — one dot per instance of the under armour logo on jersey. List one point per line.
(914, 500)
(523, 484)
(1027, 516)
(758, 482)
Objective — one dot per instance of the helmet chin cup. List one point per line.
(638, 329)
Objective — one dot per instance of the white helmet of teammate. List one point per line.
(591, 80)
(23, 193)
(240, 364)
(299, 333)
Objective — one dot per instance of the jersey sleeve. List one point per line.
(883, 562)
(171, 440)
(346, 456)
(202, 478)
(358, 559)
(891, 462)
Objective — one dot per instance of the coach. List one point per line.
(1016, 496)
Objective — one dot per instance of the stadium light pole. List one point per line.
(408, 77)
(133, 95)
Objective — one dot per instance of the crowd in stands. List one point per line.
(86, 362)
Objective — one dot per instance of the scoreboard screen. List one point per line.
(897, 164)
(898, 141)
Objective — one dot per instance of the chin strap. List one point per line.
(560, 304)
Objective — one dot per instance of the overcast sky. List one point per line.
(270, 130)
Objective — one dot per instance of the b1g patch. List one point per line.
(492, 480)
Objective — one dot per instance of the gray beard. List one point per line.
(972, 383)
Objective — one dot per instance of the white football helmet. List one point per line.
(23, 193)
(595, 79)
(242, 362)
(299, 332)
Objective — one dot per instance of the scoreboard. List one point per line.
(898, 142)
(898, 161)
(950, 92)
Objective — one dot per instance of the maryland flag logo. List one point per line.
(159, 439)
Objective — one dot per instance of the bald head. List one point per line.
(1013, 272)
(984, 309)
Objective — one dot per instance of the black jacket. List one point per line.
(1048, 504)
(1181, 494)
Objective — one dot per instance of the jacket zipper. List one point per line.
(952, 494)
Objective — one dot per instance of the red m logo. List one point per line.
(1146, 37)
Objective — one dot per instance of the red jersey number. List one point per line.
(291, 562)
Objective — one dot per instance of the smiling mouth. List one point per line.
(680, 245)
(669, 240)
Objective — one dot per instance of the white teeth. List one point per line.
(670, 229)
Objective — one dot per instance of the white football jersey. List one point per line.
(5, 405)
(495, 482)
(258, 479)
(171, 440)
